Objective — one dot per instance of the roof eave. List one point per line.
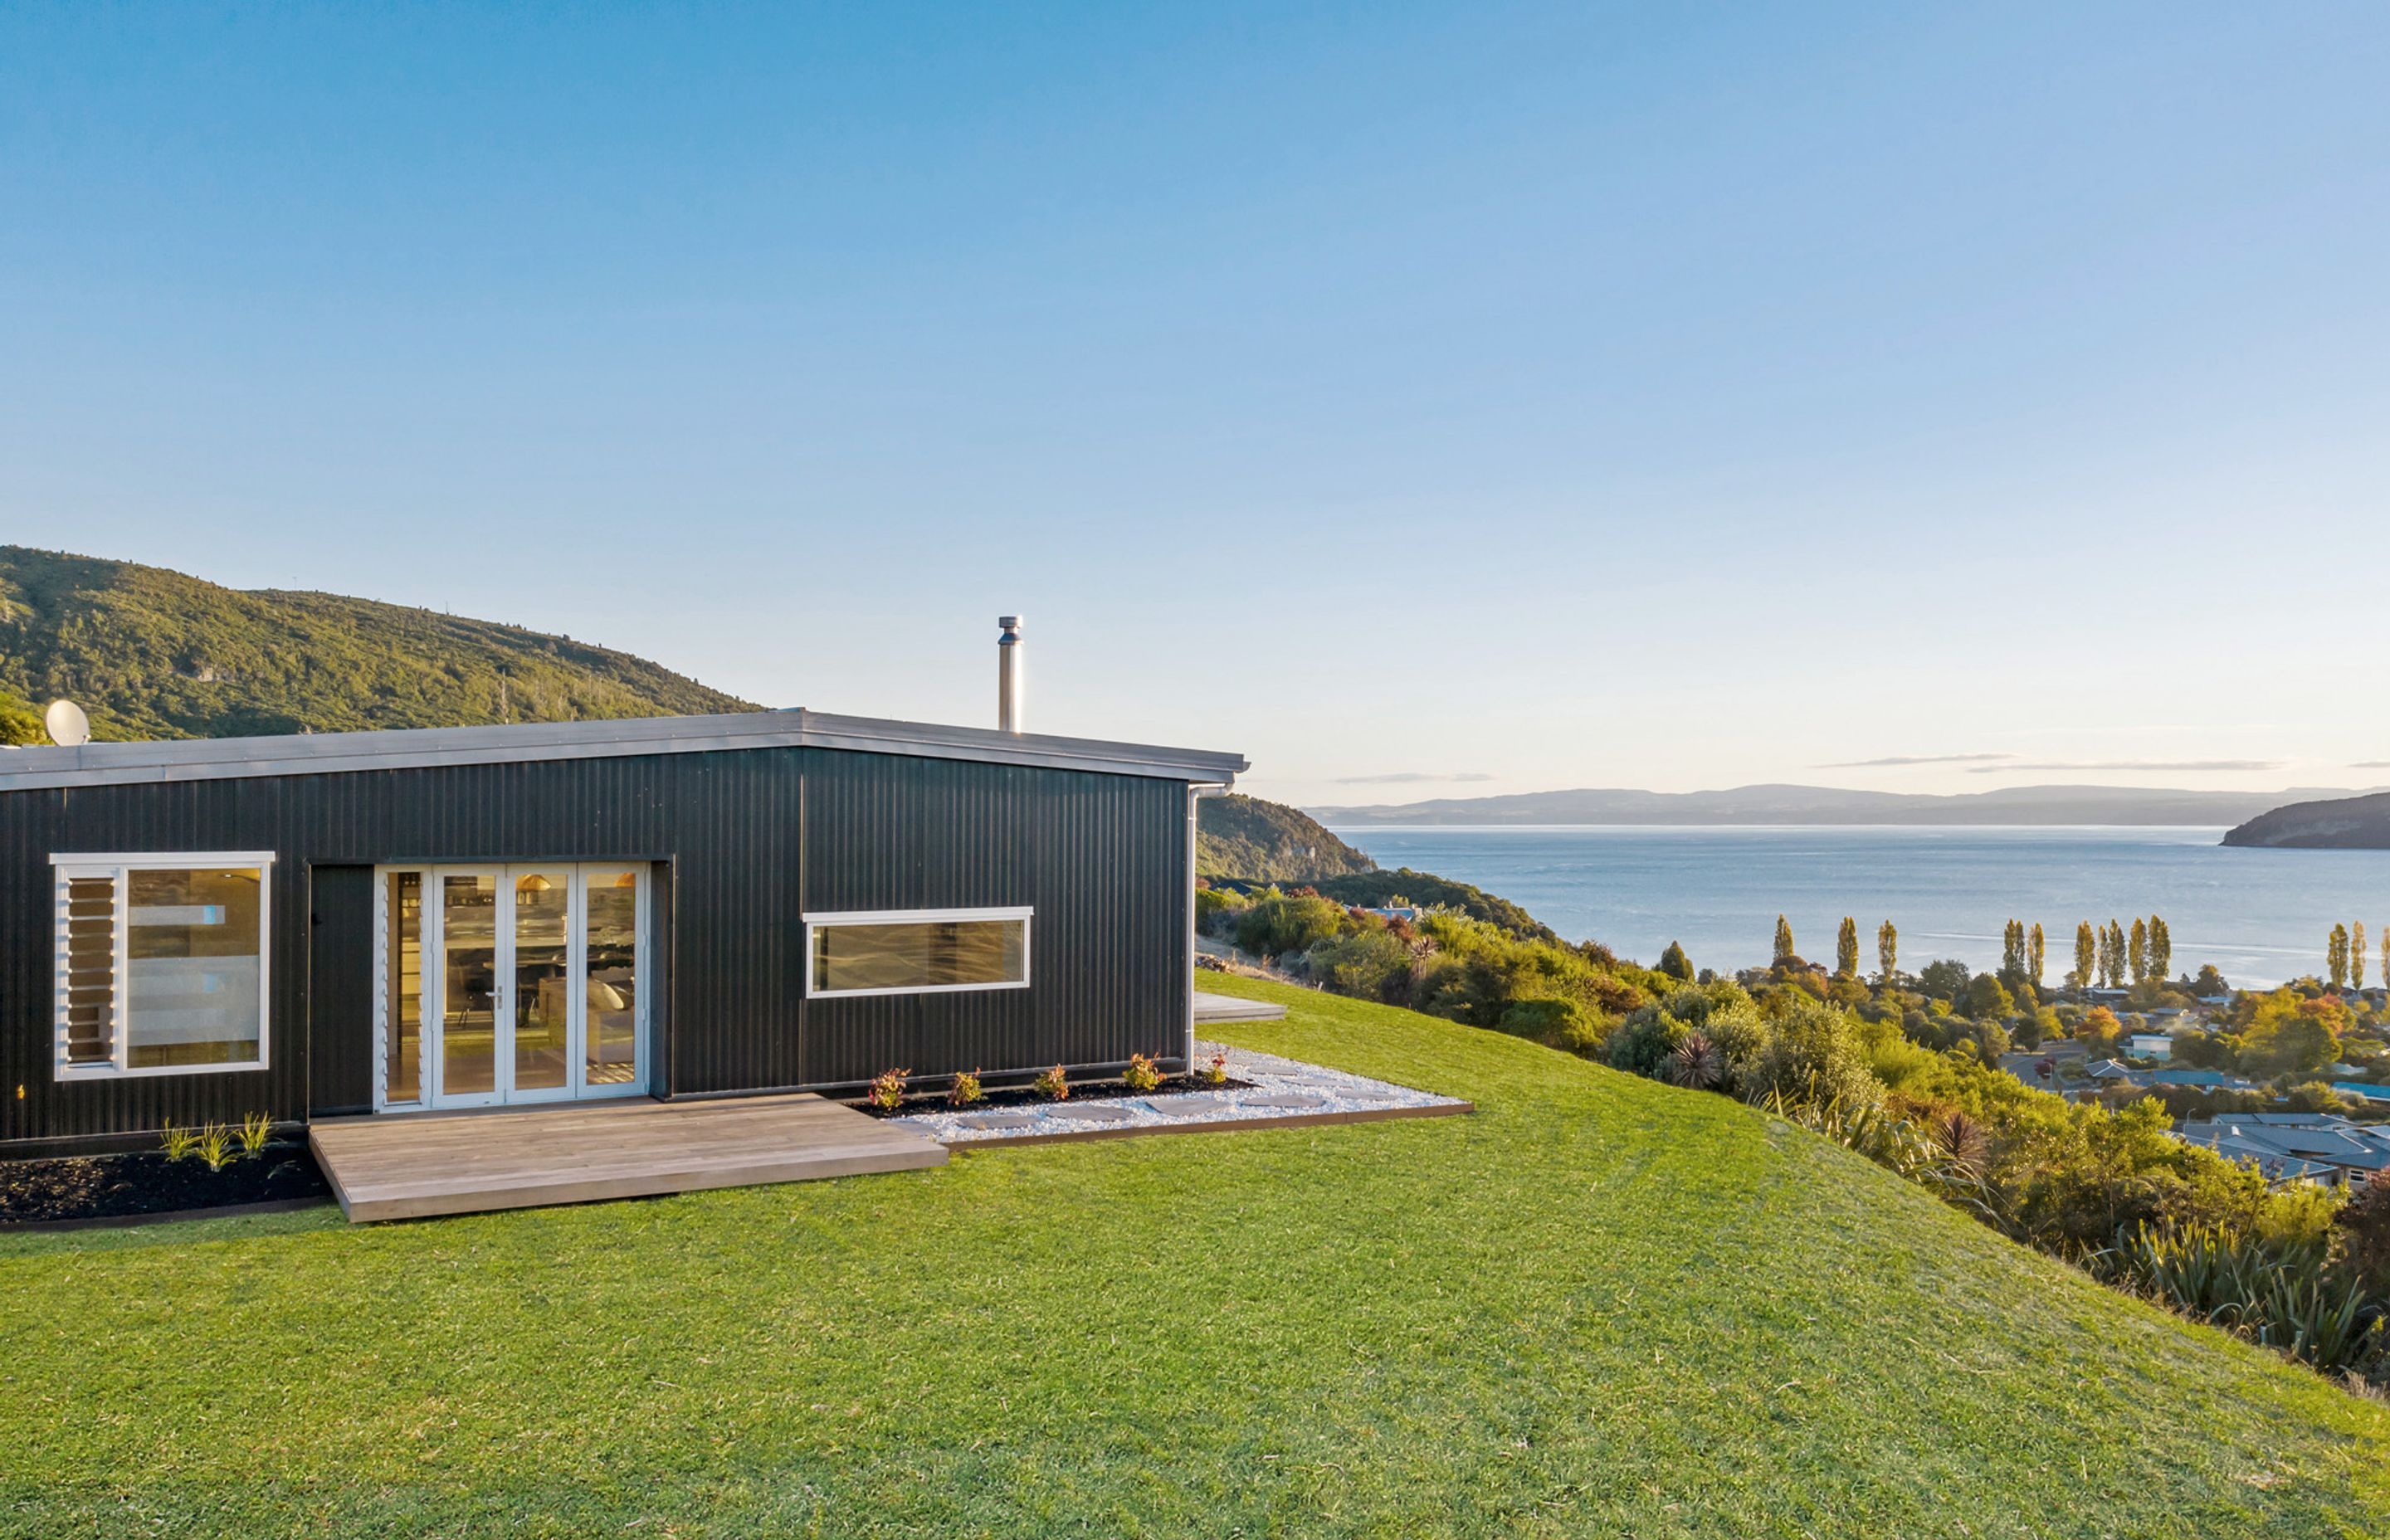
(424, 747)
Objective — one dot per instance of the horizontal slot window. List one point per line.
(917, 952)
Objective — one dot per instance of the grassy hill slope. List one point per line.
(1254, 840)
(151, 653)
(1597, 1306)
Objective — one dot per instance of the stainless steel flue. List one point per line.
(1012, 680)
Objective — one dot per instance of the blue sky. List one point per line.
(1541, 395)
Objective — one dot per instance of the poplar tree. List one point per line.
(2137, 952)
(2336, 955)
(1783, 938)
(2013, 951)
(2357, 956)
(2160, 950)
(2034, 955)
(2084, 956)
(1846, 949)
(1887, 950)
(2112, 956)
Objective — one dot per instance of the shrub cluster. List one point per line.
(1499, 975)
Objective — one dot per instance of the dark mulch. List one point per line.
(1021, 1096)
(110, 1186)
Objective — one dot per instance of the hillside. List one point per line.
(2020, 805)
(152, 653)
(1373, 889)
(1251, 841)
(1597, 1306)
(2341, 822)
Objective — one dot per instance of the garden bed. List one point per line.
(1023, 1096)
(120, 1187)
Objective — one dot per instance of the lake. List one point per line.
(2261, 916)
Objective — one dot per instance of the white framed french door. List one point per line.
(504, 984)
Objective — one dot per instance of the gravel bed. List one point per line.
(1275, 1088)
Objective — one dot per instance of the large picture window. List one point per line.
(916, 951)
(162, 963)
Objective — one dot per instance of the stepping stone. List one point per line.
(1290, 1102)
(1201, 1105)
(998, 1120)
(1365, 1093)
(1092, 1112)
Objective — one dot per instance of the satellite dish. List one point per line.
(67, 727)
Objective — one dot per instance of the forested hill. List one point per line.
(151, 653)
(2341, 822)
(1253, 841)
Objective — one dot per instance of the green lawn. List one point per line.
(1597, 1306)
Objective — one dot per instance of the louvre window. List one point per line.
(160, 964)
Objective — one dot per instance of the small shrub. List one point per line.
(179, 1143)
(2364, 1225)
(1367, 965)
(1141, 1074)
(1555, 1023)
(256, 1132)
(1051, 1084)
(2280, 1295)
(965, 1090)
(1214, 1070)
(1289, 923)
(217, 1147)
(1694, 1063)
(887, 1091)
(1815, 1055)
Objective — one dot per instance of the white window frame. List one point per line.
(119, 866)
(1026, 914)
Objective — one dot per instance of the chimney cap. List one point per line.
(1010, 622)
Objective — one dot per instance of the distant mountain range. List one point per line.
(2340, 823)
(1826, 804)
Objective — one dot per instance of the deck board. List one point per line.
(1212, 1010)
(416, 1167)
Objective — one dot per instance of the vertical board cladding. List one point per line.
(340, 994)
(1100, 858)
(743, 843)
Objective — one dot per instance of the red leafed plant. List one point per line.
(887, 1091)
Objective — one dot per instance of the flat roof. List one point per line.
(418, 747)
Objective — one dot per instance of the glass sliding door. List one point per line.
(402, 986)
(470, 988)
(611, 981)
(502, 984)
(541, 968)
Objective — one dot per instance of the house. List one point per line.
(366, 923)
(2150, 1045)
(2363, 1090)
(2290, 1146)
(2205, 1080)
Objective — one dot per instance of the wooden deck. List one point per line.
(414, 1166)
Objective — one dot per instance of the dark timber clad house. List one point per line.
(676, 908)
